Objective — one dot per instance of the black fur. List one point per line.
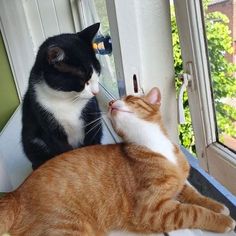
(65, 62)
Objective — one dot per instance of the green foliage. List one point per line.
(222, 71)
(222, 74)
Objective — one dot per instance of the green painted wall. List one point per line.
(9, 99)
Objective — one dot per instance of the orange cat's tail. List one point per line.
(8, 209)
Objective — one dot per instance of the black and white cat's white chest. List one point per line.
(66, 107)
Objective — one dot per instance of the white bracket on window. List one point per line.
(186, 78)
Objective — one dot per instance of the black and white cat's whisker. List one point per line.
(96, 133)
(94, 126)
(101, 112)
(94, 121)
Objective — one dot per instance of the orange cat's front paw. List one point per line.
(231, 227)
(227, 223)
(225, 210)
(216, 207)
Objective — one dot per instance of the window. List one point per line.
(202, 47)
(92, 12)
(219, 27)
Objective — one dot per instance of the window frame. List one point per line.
(214, 157)
(126, 63)
(86, 20)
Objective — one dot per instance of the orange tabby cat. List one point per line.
(136, 186)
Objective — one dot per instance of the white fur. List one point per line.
(91, 88)
(67, 107)
(225, 211)
(145, 133)
(93, 82)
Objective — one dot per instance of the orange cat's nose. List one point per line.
(111, 102)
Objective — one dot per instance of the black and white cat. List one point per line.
(60, 111)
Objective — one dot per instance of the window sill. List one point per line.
(208, 185)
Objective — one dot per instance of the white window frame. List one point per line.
(215, 158)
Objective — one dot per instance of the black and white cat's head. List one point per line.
(67, 63)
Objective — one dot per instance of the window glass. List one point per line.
(96, 11)
(220, 28)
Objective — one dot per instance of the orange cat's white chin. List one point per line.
(114, 110)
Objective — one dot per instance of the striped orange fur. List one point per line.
(139, 185)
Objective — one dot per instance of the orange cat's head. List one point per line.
(131, 113)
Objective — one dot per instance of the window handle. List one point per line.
(185, 77)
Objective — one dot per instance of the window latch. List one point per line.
(186, 78)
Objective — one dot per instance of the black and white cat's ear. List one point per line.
(55, 54)
(89, 33)
(154, 96)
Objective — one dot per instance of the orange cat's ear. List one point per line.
(154, 96)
